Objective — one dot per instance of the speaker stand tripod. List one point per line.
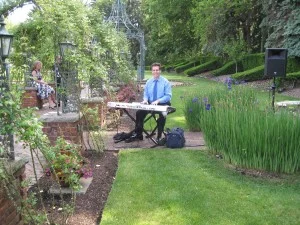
(273, 93)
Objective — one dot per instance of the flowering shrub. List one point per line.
(127, 93)
(85, 172)
(67, 164)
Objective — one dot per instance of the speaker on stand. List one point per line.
(275, 66)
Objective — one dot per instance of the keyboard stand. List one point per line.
(150, 136)
(146, 132)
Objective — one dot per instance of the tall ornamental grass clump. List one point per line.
(247, 133)
(192, 110)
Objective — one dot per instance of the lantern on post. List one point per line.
(70, 84)
(5, 40)
(5, 46)
(66, 47)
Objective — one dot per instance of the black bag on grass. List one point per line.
(175, 138)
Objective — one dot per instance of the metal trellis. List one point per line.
(120, 19)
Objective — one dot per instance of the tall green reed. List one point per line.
(245, 132)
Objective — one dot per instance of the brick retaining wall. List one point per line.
(66, 125)
(8, 212)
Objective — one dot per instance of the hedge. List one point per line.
(257, 73)
(252, 61)
(186, 66)
(246, 63)
(293, 64)
(196, 62)
(210, 65)
(295, 75)
(228, 68)
(172, 66)
(250, 75)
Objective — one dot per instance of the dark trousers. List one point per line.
(58, 82)
(140, 117)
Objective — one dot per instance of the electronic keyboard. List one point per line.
(165, 109)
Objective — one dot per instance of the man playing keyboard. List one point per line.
(157, 91)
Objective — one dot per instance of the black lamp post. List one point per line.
(108, 54)
(129, 56)
(66, 47)
(70, 96)
(123, 54)
(5, 40)
(5, 46)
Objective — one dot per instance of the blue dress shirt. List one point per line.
(164, 90)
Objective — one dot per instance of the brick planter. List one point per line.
(66, 125)
(8, 212)
(30, 98)
(97, 103)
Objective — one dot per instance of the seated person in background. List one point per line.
(44, 91)
(157, 91)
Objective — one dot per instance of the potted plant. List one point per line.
(67, 165)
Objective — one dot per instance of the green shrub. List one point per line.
(186, 66)
(211, 65)
(256, 73)
(293, 64)
(195, 62)
(295, 75)
(228, 68)
(251, 73)
(289, 81)
(173, 66)
(252, 61)
(247, 62)
(255, 60)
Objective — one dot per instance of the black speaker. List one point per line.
(275, 62)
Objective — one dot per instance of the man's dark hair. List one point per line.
(156, 64)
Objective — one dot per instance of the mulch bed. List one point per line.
(88, 206)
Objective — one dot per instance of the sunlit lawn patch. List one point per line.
(189, 187)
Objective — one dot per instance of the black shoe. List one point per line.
(134, 137)
(122, 136)
(161, 141)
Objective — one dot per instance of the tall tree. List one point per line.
(217, 22)
(168, 29)
(282, 24)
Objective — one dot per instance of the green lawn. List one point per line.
(191, 187)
